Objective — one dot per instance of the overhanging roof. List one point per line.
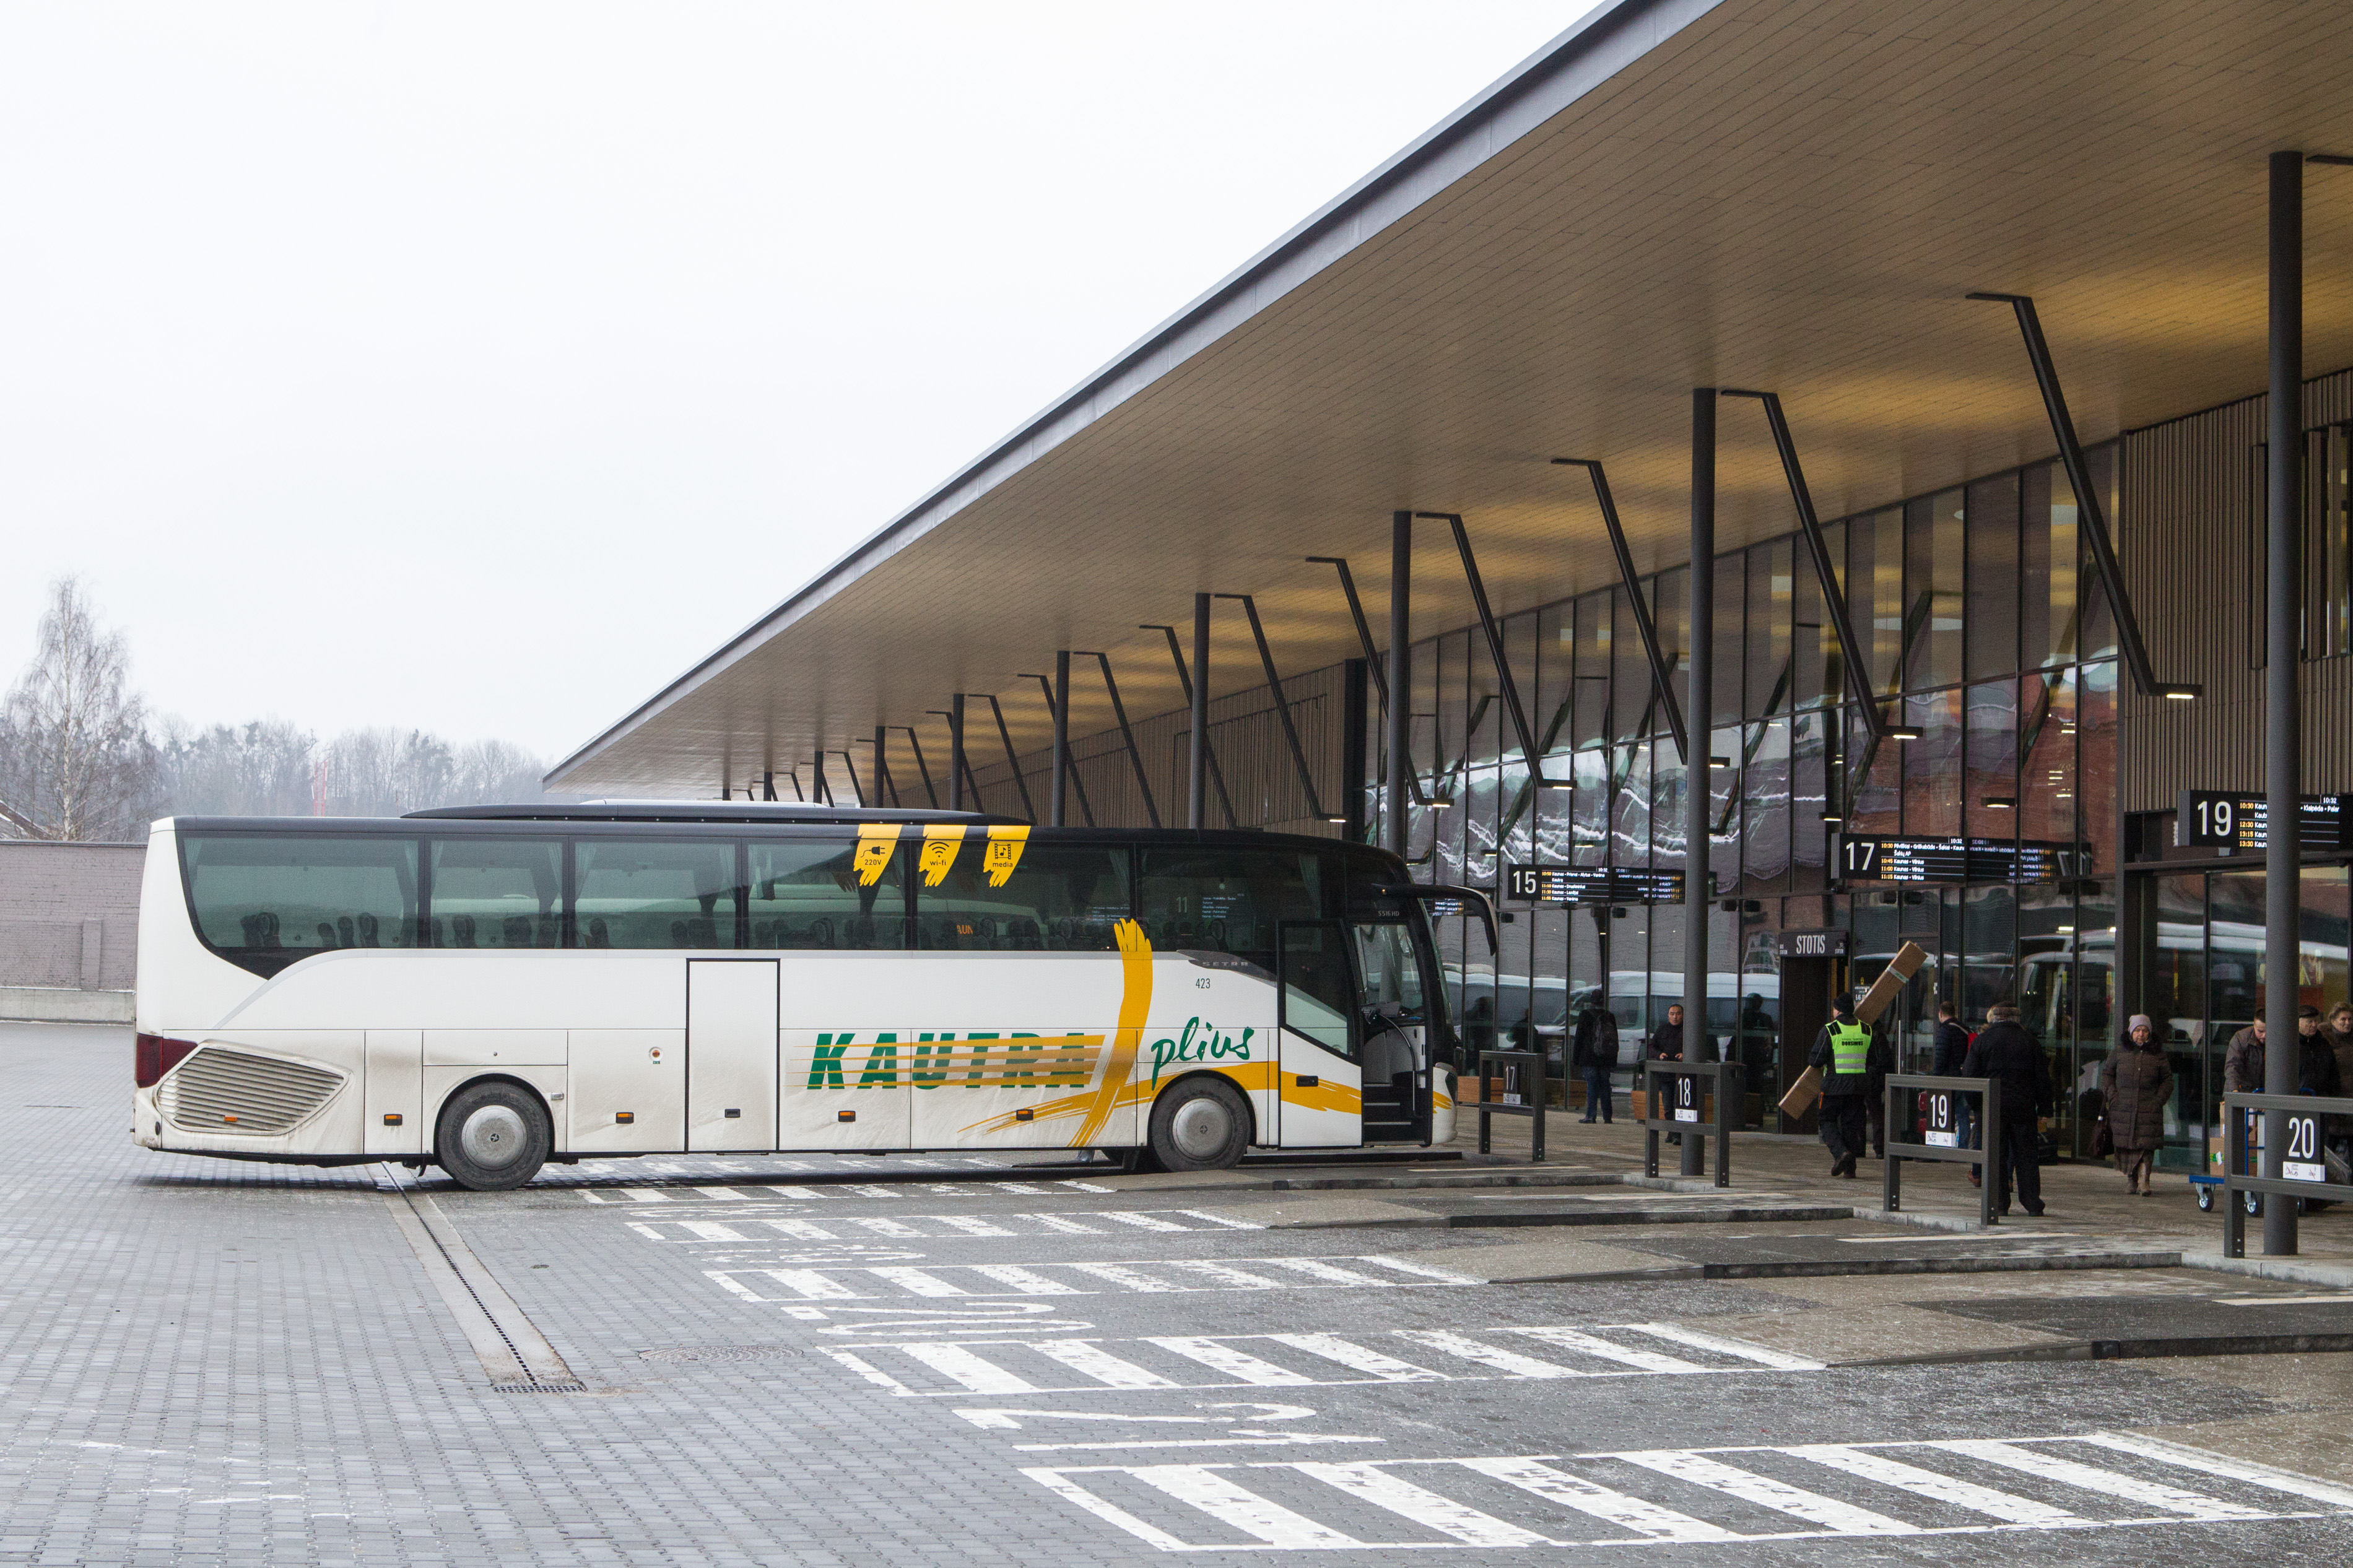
(1792, 195)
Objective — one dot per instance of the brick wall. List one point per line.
(69, 914)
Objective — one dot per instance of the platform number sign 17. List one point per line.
(2304, 1161)
(1944, 1128)
(1686, 1098)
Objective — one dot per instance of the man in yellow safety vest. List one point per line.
(1842, 1052)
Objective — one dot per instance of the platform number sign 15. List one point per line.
(1686, 1098)
(2304, 1163)
(1944, 1128)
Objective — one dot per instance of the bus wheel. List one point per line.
(492, 1137)
(1200, 1125)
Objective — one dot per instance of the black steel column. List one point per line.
(2283, 897)
(1061, 790)
(1401, 685)
(957, 768)
(1699, 713)
(1197, 764)
(1355, 699)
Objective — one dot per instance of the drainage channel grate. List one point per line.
(539, 1388)
(719, 1352)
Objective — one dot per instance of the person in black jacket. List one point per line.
(1666, 1044)
(1593, 1056)
(2009, 1053)
(1952, 1051)
(1842, 1053)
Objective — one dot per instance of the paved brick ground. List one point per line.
(204, 1362)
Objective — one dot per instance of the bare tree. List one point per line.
(259, 769)
(75, 759)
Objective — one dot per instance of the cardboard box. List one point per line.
(1892, 980)
(1803, 1093)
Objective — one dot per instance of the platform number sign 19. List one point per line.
(2304, 1161)
(1944, 1128)
(1686, 1098)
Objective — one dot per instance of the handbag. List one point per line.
(2103, 1139)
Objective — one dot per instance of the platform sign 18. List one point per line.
(2304, 1161)
(1686, 1098)
(1944, 1130)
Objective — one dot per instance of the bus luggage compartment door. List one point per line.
(731, 1054)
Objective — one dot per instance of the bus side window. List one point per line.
(655, 892)
(1228, 901)
(805, 894)
(496, 892)
(1059, 899)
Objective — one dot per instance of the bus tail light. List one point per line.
(157, 1055)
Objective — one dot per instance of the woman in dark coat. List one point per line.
(2136, 1082)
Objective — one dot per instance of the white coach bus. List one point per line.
(492, 988)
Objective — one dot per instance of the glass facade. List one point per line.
(1976, 613)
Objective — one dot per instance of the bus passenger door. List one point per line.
(731, 1054)
(1320, 1082)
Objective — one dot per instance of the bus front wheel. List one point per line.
(1201, 1124)
(494, 1137)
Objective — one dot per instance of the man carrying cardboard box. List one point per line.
(1841, 1054)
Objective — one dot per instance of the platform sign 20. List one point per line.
(1944, 1128)
(2304, 1161)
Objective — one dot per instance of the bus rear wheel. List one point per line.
(492, 1138)
(1201, 1124)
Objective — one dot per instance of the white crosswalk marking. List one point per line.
(1141, 1221)
(1677, 1333)
(1444, 1275)
(1015, 1187)
(1485, 1355)
(712, 1230)
(1220, 1219)
(2109, 1483)
(1847, 1518)
(1239, 1365)
(725, 1196)
(1417, 1490)
(1645, 1519)
(1090, 1360)
(1877, 1467)
(799, 1229)
(1594, 1345)
(646, 1194)
(920, 1281)
(1023, 1279)
(1057, 1222)
(978, 1376)
(883, 1226)
(1243, 1510)
(969, 1226)
(1356, 1358)
(797, 1194)
(1128, 1278)
(2228, 1469)
(1372, 1484)
(1226, 1274)
(812, 1285)
(1087, 1187)
(1317, 1269)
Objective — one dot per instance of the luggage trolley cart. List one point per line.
(2245, 1129)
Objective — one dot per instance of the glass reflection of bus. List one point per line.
(1506, 1015)
(492, 988)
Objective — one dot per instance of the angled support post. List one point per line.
(1502, 660)
(798, 794)
(884, 785)
(958, 769)
(1282, 704)
(1357, 613)
(1644, 625)
(1062, 764)
(768, 785)
(924, 773)
(1127, 733)
(1397, 728)
(1012, 759)
(819, 791)
(857, 790)
(2091, 518)
(1209, 752)
(1858, 674)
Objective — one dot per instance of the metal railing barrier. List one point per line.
(2303, 1157)
(1532, 1069)
(1685, 1106)
(1945, 1122)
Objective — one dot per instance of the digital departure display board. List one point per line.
(2229, 821)
(1887, 858)
(1579, 885)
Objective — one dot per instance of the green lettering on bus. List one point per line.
(824, 1068)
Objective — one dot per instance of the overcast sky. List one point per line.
(480, 367)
